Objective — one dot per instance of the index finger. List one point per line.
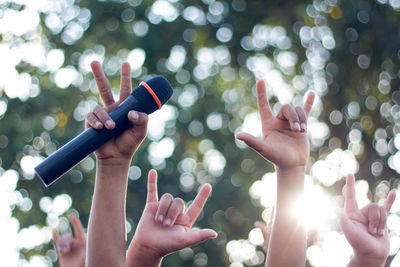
(56, 237)
(350, 203)
(152, 194)
(309, 102)
(102, 84)
(390, 200)
(262, 100)
(196, 207)
(126, 83)
(78, 228)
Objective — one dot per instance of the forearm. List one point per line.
(138, 257)
(106, 231)
(287, 245)
(364, 262)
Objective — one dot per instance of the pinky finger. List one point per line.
(93, 121)
(390, 200)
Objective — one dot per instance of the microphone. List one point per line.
(147, 98)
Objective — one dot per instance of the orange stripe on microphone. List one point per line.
(152, 94)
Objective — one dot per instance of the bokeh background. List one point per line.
(212, 52)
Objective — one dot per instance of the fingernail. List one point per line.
(382, 232)
(376, 230)
(160, 218)
(98, 124)
(303, 126)
(134, 115)
(109, 123)
(297, 126)
(167, 222)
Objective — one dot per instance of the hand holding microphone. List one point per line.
(125, 145)
(116, 135)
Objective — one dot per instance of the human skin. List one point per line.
(284, 143)
(365, 229)
(71, 249)
(266, 228)
(106, 230)
(164, 226)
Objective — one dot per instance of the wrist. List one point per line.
(294, 171)
(113, 162)
(112, 172)
(366, 261)
(139, 255)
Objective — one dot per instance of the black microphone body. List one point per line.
(88, 141)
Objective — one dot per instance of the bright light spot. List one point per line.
(141, 28)
(224, 34)
(214, 161)
(252, 124)
(28, 163)
(265, 190)
(136, 58)
(162, 149)
(157, 121)
(176, 58)
(315, 209)
(54, 59)
(163, 10)
(336, 165)
(9, 180)
(18, 86)
(32, 237)
(61, 204)
(18, 22)
(45, 204)
(287, 59)
(86, 59)
(318, 131)
(362, 189)
(188, 96)
(256, 237)
(394, 162)
(332, 245)
(3, 107)
(214, 121)
(65, 77)
(134, 173)
(394, 245)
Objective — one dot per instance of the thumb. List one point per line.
(252, 142)
(195, 237)
(347, 226)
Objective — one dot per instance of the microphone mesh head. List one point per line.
(162, 89)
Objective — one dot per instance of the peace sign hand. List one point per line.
(71, 250)
(366, 229)
(165, 227)
(266, 228)
(123, 146)
(284, 141)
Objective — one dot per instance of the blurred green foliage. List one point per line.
(346, 51)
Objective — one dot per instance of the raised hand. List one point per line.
(365, 228)
(126, 144)
(266, 229)
(106, 230)
(165, 227)
(71, 250)
(284, 140)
